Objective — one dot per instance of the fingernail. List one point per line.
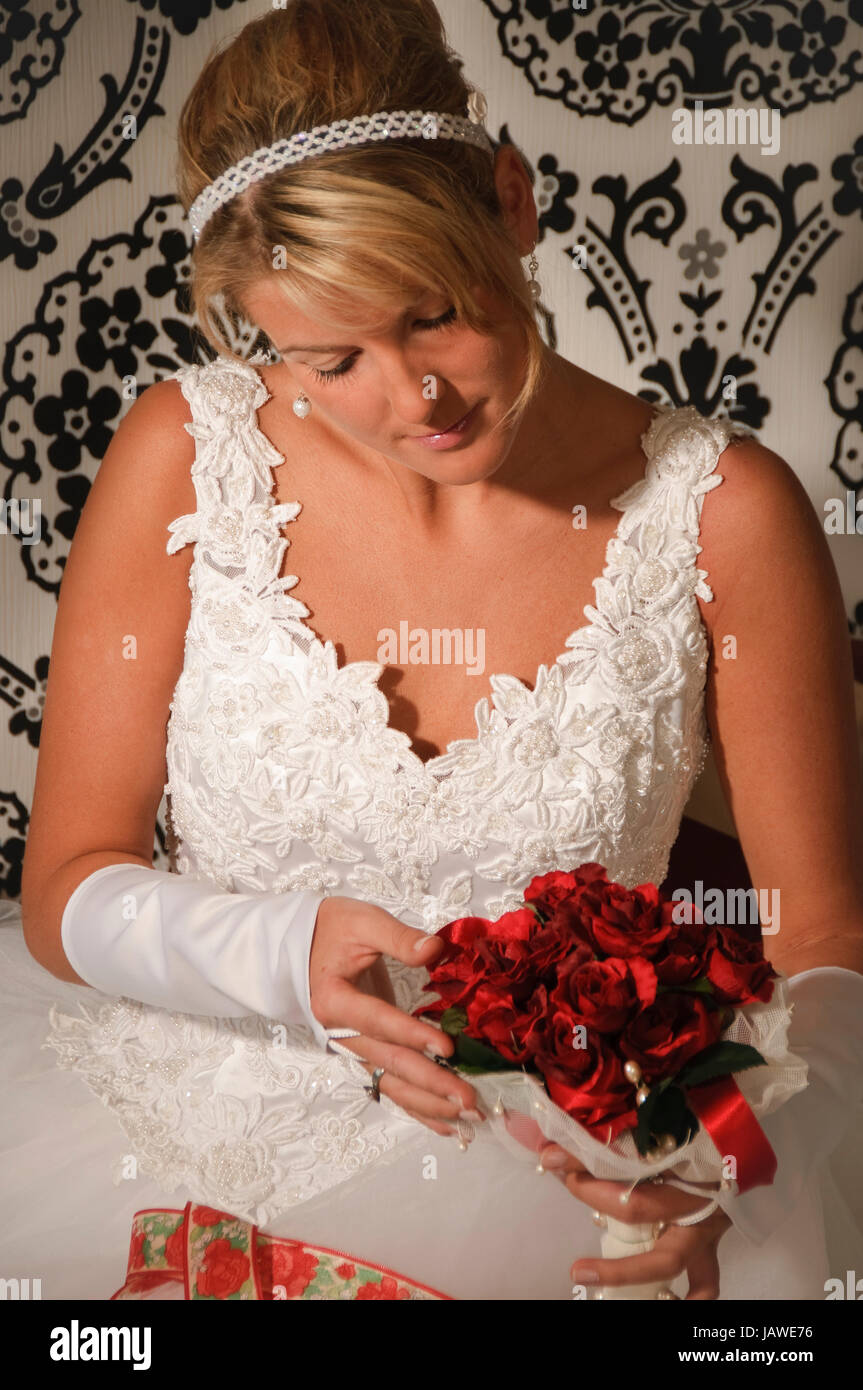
(418, 945)
(584, 1276)
(471, 1115)
(555, 1158)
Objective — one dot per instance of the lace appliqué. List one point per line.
(284, 773)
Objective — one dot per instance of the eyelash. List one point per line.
(344, 367)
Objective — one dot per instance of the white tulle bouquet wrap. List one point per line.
(607, 1021)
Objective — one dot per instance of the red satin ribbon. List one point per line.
(725, 1114)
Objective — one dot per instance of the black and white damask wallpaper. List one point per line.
(699, 173)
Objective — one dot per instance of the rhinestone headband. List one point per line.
(358, 130)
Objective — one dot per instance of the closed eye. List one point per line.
(345, 366)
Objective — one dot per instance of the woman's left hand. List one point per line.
(690, 1250)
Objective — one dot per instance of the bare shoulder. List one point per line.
(146, 470)
(156, 420)
(760, 533)
(762, 541)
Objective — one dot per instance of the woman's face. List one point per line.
(401, 390)
(425, 392)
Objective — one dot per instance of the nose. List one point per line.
(415, 390)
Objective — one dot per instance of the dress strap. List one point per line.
(661, 519)
(232, 471)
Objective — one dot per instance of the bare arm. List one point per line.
(102, 768)
(116, 655)
(782, 712)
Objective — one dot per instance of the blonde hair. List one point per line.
(386, 224)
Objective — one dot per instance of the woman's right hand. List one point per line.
(347, 980)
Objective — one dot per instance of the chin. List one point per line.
(460, 468)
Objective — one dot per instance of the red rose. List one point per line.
(291, 1266)
(223, 1270)
(622, 921)
(557, 942)
(568, 924)
(668, 1033)
(208, 1216)
(175, 1247)
(548, 891)
(605, 993)
(346, 1271)
(737, 969)
(683, 956)
(486, 966)
(587, 1082)
(475, 950)
(387, 1288)
(515, 1031)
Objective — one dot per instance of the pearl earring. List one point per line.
(302, 406)
(533, 284)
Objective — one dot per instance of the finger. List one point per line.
(703, 1274)
(424, 1103)
(662, 1264)
(674, 1251)
(446, 1130)
(388, 936)
(418, 1071)
(559, 1161)
(347, 1007)
(649, 1201)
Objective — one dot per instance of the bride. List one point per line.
(271, 555)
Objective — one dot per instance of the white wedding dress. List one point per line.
(284, 774)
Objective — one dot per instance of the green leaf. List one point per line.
(467, 1070)
(641, 1133)
(702, 986)
(643, 1140)
(721, 1059)
(664, 1112)
(453, 1020)
(672, 1115)
(478, 1056)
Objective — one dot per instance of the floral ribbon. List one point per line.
(217, 1256)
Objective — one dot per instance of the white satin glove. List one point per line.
(826, 1031)
(177, 943)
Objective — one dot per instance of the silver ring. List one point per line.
(374, 1090)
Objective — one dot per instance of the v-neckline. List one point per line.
(426, 764)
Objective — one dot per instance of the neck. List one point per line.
(534, 458)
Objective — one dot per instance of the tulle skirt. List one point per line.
(474, 1225)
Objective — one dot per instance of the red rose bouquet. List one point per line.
(615, 1023)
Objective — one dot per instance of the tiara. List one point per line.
(358, 130)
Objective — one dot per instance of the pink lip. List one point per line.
(450, 436)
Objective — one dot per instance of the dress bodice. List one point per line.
(285, 773)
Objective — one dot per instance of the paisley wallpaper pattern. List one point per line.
(722, 271)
